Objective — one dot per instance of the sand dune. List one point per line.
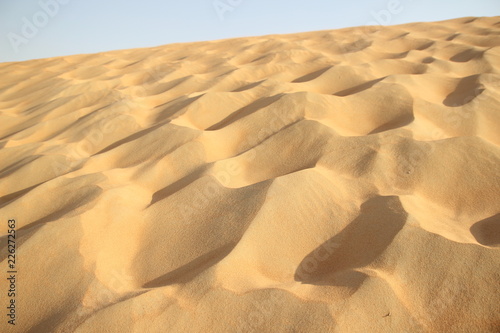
(331, 181)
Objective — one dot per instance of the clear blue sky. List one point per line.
(31, 29)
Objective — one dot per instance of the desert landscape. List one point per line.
(328, 181)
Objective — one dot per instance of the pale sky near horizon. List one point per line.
(31, 29)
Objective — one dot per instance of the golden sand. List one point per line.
(331, 181)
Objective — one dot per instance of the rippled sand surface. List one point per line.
(331, 181)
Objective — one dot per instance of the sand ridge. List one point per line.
(330, 181)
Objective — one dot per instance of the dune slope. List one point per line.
(332, 181)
